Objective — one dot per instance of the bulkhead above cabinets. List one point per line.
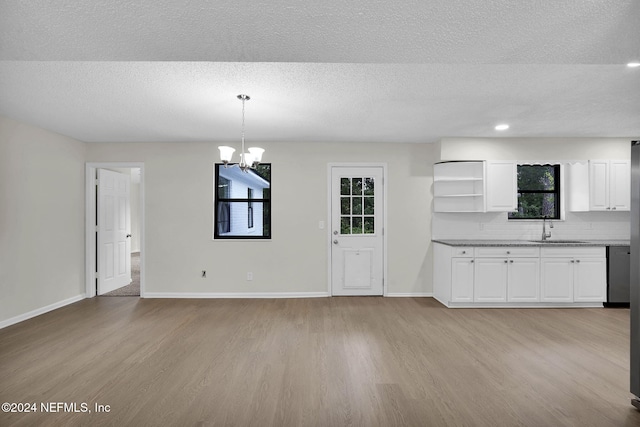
(475, 186)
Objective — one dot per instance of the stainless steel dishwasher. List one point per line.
(618, 276)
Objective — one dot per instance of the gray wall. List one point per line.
(179, 221)
(41, 219)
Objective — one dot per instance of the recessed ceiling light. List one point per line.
(502, 127)
(633, 64)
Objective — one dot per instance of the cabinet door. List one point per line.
(620, 185)
(523, 280)
(556, 282)
(590, 280)
(502, 187)
(462, 279)
(490, 280)
(598, 185)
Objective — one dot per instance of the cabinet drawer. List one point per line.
(574, 252)
(462, 252)
(507, 251)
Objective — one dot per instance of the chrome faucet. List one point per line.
(546, 234)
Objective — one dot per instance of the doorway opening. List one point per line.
(115, 229)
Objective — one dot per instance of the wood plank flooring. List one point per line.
(318, 362)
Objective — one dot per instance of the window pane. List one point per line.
(357, 186)
(357, 206)
(368, 206)
(368, 186)
(345, 225)
(345, 205)
(345, 186)
(368, 225)
(357, 225)
(536, 177)
(535, 205)
(242, 207)
(240, 219)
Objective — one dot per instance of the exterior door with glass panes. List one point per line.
(357, 242)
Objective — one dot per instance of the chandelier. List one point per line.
(248, 160)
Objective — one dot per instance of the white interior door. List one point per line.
(357, 243)
(114, 231)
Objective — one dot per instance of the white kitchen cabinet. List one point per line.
(609, 185)
(523, 281)
(516, 276)
(573, 274)
(462, 279)
(490, 280)
(556, 280)
(507, 274)
(590, 280)
(502, 186)
(474, 186)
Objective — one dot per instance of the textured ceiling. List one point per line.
(411, 71)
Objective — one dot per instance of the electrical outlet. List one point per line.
(249, 276)
(204, 274)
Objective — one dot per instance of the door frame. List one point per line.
(90, 226)
(330, 166)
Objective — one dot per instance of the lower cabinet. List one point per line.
(517, 275)
(462, 279)
(573, 275)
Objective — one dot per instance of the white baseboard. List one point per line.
(409, 295)
(236, 295)
(39, 311)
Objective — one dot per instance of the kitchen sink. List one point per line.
(557, 241)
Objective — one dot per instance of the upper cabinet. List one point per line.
(502, 186)
(602, 185)
(474, 186)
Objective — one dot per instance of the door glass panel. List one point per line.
(357, 206)
(357, 225)
(345, 225)
(368, 206)
(368, 225)
(368, 186)
(345, 186)
(345, 208)
(357, 186)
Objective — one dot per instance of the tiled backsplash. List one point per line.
(576, 225)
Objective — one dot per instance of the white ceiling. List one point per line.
(364, 70)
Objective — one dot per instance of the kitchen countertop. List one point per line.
(559, 242)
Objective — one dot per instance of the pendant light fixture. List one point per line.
(248, 160)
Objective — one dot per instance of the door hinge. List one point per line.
(97, 228)
(97, 275)
(97, 181)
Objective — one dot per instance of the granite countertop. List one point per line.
(554, 243)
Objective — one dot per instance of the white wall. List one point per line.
(41, 220)
(577, 225)
(179, 221)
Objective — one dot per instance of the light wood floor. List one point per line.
(319, 362)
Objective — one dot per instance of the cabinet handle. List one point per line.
(505, 261)
(508, 252)
(572, 261)
(511, 261)
(464, 252)
(471, 261)
(608, 208)
(614, 208)
(577, 260)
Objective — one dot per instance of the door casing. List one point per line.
(90, 226)
(328, 239)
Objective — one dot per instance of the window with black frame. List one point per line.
(242, 202)
(538, 192)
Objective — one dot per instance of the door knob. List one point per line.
(335, 242)
(128, 235)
